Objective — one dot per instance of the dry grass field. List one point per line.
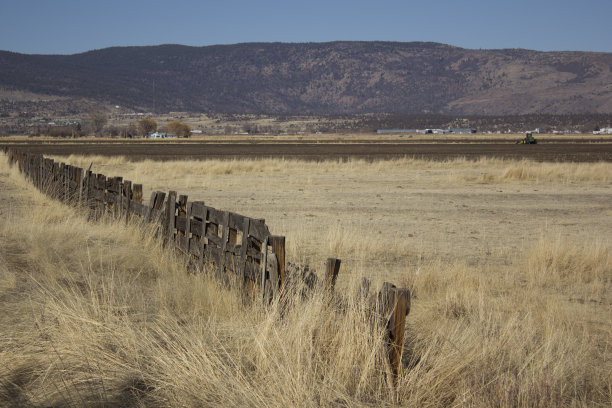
(509, 265)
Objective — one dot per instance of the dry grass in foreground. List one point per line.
(98, 314)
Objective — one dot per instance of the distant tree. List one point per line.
(63, 131)
(146, 126)
(113, 131)
(96, 120)
(130, 130)
(179, 128)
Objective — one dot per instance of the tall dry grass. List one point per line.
(98, 314)
(546, 172)
(484, 169)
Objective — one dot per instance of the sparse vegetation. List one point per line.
(178, 128)
(96, 121)
(146, 126)
(322, 78)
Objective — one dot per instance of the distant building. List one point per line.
(428, 131)
(156, 135)
(387, 131)
(603, 131)
(461, 131)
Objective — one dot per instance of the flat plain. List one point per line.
(508, 260)
(392, 214)
(328, 147)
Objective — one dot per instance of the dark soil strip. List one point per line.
(557, 152)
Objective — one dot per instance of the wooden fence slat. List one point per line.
(264, 266)
(278, 247)
(81, 175)
(127, 199)
(151, 205)
(181, 224)
(198, 209)
(272, 283)
(170, 216)
(259, 230)
(187, 230)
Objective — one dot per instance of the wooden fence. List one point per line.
(239, 249)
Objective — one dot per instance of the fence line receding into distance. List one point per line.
(238, 248)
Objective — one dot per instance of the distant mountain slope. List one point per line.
(337, 77)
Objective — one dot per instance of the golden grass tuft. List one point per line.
(553, 172)
(558, 263)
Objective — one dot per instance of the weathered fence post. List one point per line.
(264, 266)
(119, 197)
(332, 267)
(186, 213)
(184, 231)
(155, 206)
(278, 247)
(170, 216)
(127, 193)
(394, 306)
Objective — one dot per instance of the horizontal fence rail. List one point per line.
(237, 248)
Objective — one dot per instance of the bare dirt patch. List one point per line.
(329, 150)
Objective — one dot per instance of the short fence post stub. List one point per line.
(394, 306)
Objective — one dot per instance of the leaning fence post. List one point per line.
(151, 205)
(155, 208)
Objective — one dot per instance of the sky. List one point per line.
(74, 26)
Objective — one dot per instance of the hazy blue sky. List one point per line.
(72, 26)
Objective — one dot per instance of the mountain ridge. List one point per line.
(340, 77)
